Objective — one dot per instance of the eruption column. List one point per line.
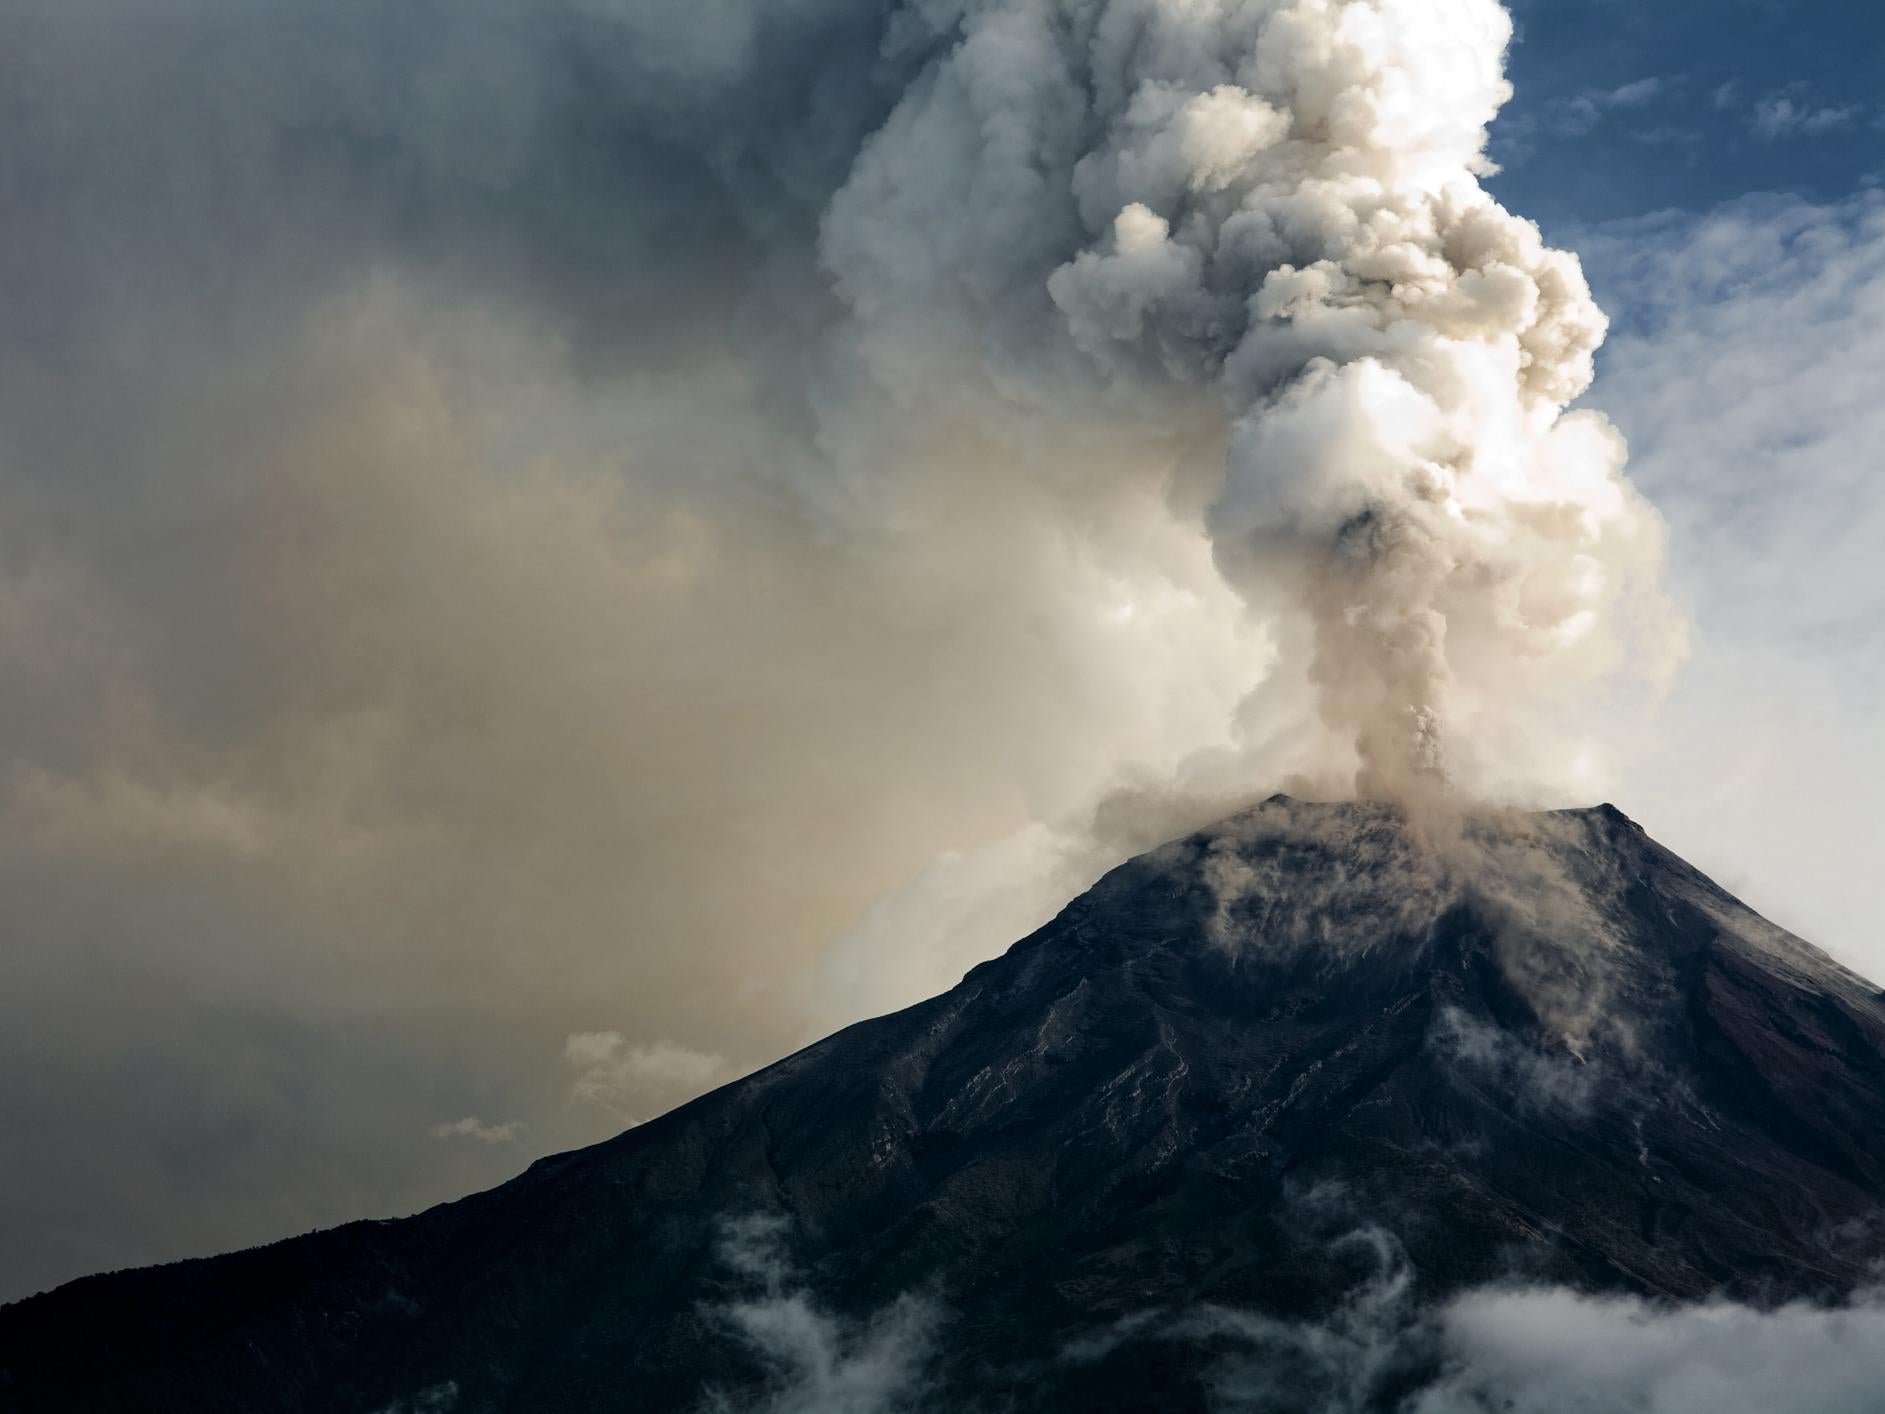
(1276, 209)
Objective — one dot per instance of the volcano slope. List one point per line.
(1312, 1050)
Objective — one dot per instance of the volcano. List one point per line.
(1311, 1050)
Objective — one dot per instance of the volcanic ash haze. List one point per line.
(915, 336)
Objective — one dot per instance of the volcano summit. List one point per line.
(1242, 1127)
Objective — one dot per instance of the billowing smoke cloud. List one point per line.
(530, 523)
(1279, 246)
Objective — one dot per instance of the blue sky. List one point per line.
(1629, 106)
(1717, 164)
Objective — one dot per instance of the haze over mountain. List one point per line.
(1326, 1107)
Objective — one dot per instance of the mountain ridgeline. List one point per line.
(1312, 1051)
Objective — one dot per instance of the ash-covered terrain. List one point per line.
(1252, 1124)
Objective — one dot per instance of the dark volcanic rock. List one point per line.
(1534, 1046)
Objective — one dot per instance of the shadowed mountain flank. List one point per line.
(1243, 1072)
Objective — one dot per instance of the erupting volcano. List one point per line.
(1266, 1104)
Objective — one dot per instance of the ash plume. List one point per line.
(1261, 227)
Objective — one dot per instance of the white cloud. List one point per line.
(1582, 112)
(637, 1082)
(1556, 1352)
(1744, 376)
(1790, 113)
(473, 1128)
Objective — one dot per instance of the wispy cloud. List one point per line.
(1790, 112)
(637, 1082)
(471, 1127)
(1533, 1077)
(1584, 111)
(815, 1361)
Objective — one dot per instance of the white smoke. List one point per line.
(1279, 248)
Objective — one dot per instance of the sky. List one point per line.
(1718, 170)
(547, 559)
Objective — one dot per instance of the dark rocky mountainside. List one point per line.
(1535, 1047)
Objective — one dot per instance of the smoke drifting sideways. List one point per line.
(521, 523)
